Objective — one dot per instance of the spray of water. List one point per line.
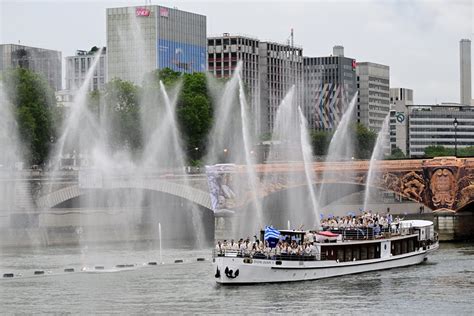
(377, 154)
(308, 162)
(340, 148)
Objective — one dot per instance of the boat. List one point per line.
(333, 252)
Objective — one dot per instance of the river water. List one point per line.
(442, 285)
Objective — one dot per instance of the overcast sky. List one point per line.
(419, 40)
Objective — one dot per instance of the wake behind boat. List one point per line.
(288, 255)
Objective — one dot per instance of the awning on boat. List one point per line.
(327, 234)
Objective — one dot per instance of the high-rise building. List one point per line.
(435, 125)
(330, 84)
(268, 69)
(400, 99)
(373, 83)
(45, 62)
(77, 67)
(465, 63)
(142, 39)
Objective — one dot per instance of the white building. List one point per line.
(400, 99)
(77, 67)
(434, 125)
(465, 71)
(373, 84)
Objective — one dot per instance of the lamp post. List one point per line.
(455, 123)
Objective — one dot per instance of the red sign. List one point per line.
(164, 12)
(354, 64)
(142, 12)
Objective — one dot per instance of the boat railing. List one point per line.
(266, 256)
(369, 233)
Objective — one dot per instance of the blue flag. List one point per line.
(271, 232)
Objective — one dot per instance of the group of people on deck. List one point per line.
(368, 219)
(283, 247)
(288, 246)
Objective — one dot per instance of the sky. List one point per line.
(418, 39)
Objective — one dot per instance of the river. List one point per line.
(442, 285)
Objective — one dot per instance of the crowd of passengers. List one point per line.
(282, 248)
(306, 247)
(368, 219)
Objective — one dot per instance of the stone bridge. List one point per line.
(442, 184)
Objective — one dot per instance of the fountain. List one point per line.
(377, 154)
(340, 147)
(291, 144)
(231, 142)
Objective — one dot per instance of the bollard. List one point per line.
(178, 261)
(69, 270)
(8, 275)
(39, 272)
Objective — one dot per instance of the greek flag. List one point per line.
(271, 232)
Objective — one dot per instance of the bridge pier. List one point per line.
(455, 226)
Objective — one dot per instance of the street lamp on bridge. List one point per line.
(455, 123)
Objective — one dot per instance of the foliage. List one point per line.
(438, 151)
(320, 141)
(364, 142)
(397, 153)
(194, 110)
(34, 101)
(122, 108)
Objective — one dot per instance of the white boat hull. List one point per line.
(267, 271)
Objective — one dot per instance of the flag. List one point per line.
(271, 232)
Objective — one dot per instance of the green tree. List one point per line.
(34, 102)
(122, 109)
(320, 141)
(364, 142)
(396, 153)
(466, 151)
(438, 151)
(194, 108)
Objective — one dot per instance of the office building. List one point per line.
(45, 62)
(465, 63)
(77, 67)
(373, 84)
(143, 39)
(400, 99)
(434, 125)
(330, 84)
(269, 70)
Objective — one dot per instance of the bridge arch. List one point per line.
(196, 196)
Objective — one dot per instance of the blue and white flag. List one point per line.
(271, 232)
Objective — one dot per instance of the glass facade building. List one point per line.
(142, 39)
(330, 84)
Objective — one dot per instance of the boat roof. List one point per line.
(416, 223)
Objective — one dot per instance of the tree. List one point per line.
(193, 111)
(438, 151)
(320, 141)
(365, 142)
(34, 102)
(122, 108)
(397, 153)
